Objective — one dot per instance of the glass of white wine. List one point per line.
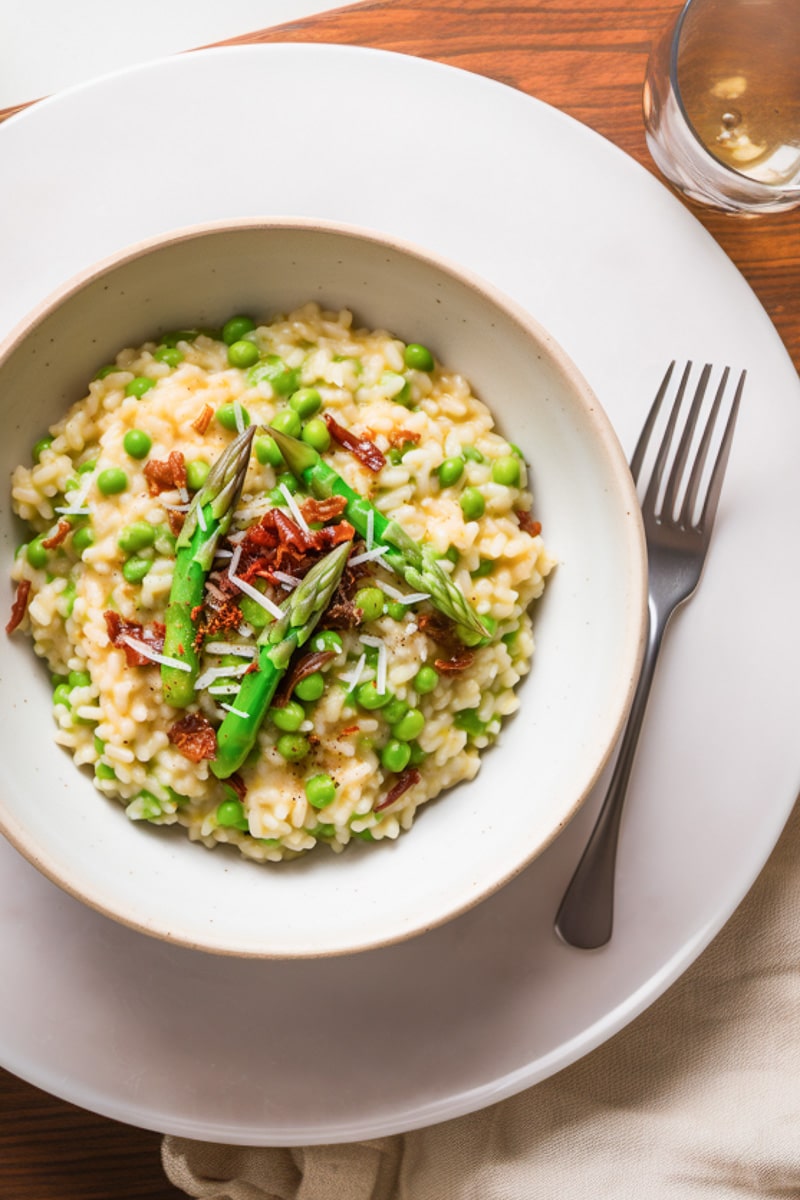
(722, 104)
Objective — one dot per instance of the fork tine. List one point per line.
(651, 494)
(647, 428)
(693, 486)
(682, 452)
(718, 472)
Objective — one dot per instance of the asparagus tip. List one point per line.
(298, 455)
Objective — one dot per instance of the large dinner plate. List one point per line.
(625, 278)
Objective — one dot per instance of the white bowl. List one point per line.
(589, 626)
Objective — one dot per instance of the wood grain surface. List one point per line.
(586, 57)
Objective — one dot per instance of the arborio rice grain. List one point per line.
(111, 716)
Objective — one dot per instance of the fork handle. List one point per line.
(585, 918)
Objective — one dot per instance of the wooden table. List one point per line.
(586, 57)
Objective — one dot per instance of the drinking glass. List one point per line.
(722, 104)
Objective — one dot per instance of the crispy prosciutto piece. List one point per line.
(454, 656)
(459, 662)
(342, 613)
(194, 737)
(402, 437)
(163, 475)
(361, 448)
(19, 607)
(277, 543)
(118, 629)
(203, 421)
(238, 784)
(527, 523)
(175, 521)
(323, 510)
(60, 535)
(405, 780)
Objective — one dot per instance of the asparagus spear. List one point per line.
(414, 563)
(207, 520)
(277, 643)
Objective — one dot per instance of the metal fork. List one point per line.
(676, 549)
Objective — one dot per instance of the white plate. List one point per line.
(625, 278)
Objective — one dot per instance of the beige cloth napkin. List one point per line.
(699, 1097)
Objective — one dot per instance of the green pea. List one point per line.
(369, 697)
(398, 386)
(289, 482)
(320, 791)
(418, 755)
(276, 498)
(235, 329)
(473, 505)
(112, 481)
(469, 721)
(327, 639)
(165, 541)
(324, 831)
(283, 379)
(289, 717)
(396, 610)
(370, 600)
(137, 443)
(170, 355)
(505, 470)
(196, 473)
(178, 335)
(61, 695)
(315, 434)
(310, 688)
(243, 354)
(395, 755)
(135, 569)
(231, 815)
(469, 636)
(516, 450)
(36, 554)
(410, 726)
(425, 680)
(418, 357)
(394, 456)
(395, 710)
(138, 386)
(450, 471)
(104, 771)
(254, 613)
(39, 447)
(104, 372)
(306, 402)
(287, 421)
(99, 744)
(293, 746)
(67, 598)
(484, 568)
(267, 452)
(86, 467)
(79, 679)
(364, 834)
(136, 536)
(177, 798)
(471, 453)
(226, 415)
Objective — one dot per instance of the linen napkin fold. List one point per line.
(697, 1098)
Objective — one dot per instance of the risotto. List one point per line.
(280, 574)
